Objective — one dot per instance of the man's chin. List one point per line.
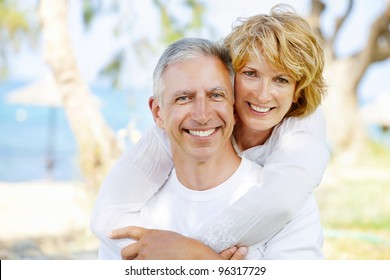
(203, 155)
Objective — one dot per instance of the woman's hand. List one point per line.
(168, 245)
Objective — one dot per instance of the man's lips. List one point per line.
(201, 133)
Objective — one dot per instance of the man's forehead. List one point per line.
(207, 71)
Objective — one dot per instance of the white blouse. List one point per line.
(294, 159)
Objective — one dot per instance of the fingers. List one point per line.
(234, 253)
(228, 253)
(130, 252)
(128, 232)
(240, 253)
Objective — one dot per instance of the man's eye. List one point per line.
(182, 98)
(216, 95)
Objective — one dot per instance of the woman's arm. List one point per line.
(292, 170)
(136, 176)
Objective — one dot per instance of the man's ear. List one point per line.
(156, 112)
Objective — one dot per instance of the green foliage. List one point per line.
(113, 68)
(90, 9)
(354, 206)
(197, 13)
(13, 27)
(171, 29)
(170, 32)
(12, 21)
(350, 248)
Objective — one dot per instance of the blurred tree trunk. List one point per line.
(346, 132)
(97, 145)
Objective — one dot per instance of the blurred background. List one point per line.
(75, 77)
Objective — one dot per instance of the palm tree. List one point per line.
(98, 147)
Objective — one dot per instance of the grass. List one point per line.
(354, 201)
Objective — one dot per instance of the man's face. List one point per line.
(197, 108)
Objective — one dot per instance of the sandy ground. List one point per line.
(45, 220)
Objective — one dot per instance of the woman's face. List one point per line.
(263, 95)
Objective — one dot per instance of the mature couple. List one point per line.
(239, 146)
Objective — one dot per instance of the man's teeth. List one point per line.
(202, 133)
(260, 109)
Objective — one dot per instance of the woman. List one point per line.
(278, 88)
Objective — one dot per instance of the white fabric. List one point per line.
(186, 211)
(293, 159)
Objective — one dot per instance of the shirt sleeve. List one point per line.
(135, 177)
(290, 174)
(301, 238)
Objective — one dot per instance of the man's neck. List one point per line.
(208, 174)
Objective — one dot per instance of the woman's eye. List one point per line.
(282, 80)
(250, 73)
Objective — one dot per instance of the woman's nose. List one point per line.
(263, 92)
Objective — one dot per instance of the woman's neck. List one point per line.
(247, 138)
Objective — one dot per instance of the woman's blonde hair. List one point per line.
(286, 41)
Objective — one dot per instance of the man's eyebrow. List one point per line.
(183, 92)
(218, 89)
(190, 92)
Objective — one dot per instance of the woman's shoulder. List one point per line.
(313, 123)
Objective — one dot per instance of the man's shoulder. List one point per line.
(247, 164)
(250, 170)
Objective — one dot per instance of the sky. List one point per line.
(95, 47)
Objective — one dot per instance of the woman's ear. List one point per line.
(155, 108)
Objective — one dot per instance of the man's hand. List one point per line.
(234, 253)
(168, 245)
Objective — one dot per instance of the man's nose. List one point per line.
(201, 111)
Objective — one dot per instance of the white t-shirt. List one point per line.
(175, 207)
(294, 159)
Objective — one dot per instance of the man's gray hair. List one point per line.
(185, 49)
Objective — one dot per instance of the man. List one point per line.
(193, 104)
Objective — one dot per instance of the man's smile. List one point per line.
(201, 133)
